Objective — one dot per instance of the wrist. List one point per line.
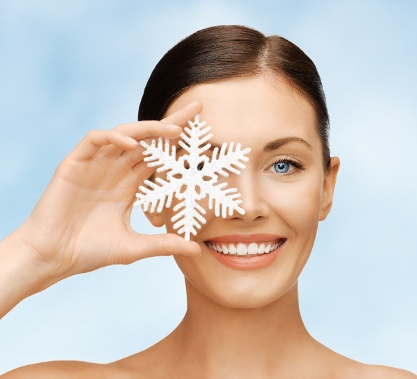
(22, 272)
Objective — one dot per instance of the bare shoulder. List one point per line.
(63, 370)
(385, 372)
(342, 367)
(366, 371)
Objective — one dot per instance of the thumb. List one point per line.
(139, 246)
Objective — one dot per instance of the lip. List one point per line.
(253, 262)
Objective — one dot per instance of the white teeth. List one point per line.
(253, 248)
(245, 249)
(242, 249)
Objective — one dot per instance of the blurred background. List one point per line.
(67, 68)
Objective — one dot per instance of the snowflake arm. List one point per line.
(225, 201)
(159, 154)
(197, 135)
(153, 196)
(190, 218)
(226, 160)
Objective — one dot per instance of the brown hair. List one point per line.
(230, 51)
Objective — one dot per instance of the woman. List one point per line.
(242, 317)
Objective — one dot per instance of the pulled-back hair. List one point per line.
(226, 52)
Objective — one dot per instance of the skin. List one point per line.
(239, 323)
(283, 205)
(82, 221)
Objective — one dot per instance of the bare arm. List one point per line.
(82, 221)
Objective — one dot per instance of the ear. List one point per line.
(156, 219)
(328, 187)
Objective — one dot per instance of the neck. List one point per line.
(218, 338)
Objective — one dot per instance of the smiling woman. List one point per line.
(241, 272)
(282, 210)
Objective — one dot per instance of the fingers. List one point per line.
(141, 172)
(147, 129)
(141, 131)
(124, 136)
(180, 118)
(166, 128)
(95, 139)
(145, 246)
(183, 115)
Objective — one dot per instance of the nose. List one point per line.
(253, 202)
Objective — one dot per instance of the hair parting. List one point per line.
(228, 52)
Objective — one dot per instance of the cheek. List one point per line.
(297, 204)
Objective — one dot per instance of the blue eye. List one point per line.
(285, 167)
(281, 167)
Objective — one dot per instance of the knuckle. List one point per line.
(145, 127)
(92, 134)
(119, 126)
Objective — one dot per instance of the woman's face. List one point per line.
(285, 191)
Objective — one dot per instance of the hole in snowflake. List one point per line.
(191, 187)
(198, 190)
(182, 189)
(200, 166)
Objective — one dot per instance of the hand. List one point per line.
(82, 221)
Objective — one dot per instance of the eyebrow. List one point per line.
(270, 146)
(279, 142)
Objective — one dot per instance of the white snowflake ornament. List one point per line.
(191, 177)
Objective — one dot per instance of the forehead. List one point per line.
(253, 110)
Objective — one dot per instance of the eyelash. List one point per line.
(296, 166)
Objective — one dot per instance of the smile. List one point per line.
(252, 248)
(246, 252)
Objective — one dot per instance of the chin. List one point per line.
(244, 290)
(245, 300)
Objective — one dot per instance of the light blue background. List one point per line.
(67, 68)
